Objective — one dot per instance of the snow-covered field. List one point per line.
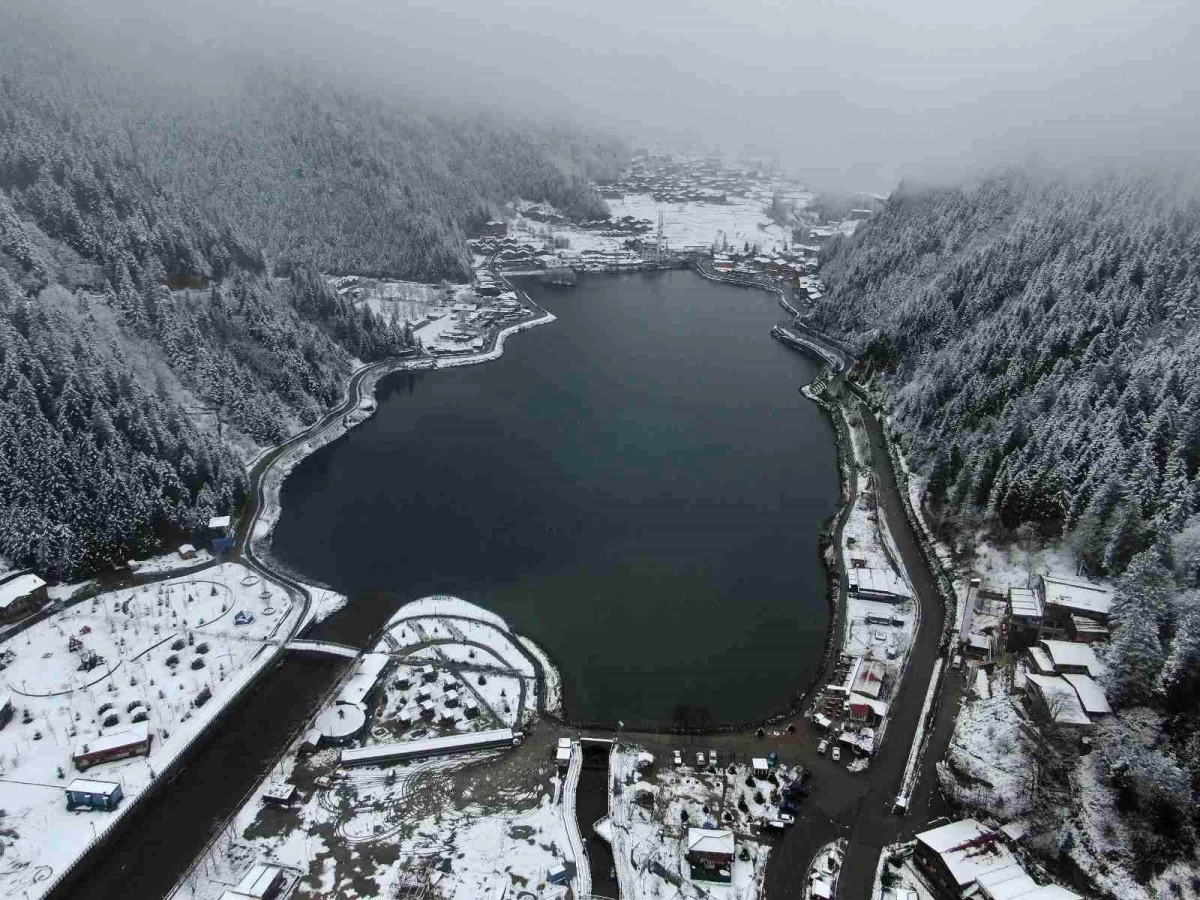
(648, 829)
(691, 224)
(162, 646)
(169, 562)
(463, 823)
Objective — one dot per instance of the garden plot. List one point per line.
(164, 658)
(651, 811)
(398, 714)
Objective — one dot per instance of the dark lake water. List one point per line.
(638, 486)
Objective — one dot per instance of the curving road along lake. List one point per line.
(638, 486)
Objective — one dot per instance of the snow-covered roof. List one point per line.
(879, 707)
(967, 849)
(1091, 694)
(822, 888)
(878, 581)
(1008, 883)
(114, 740)
(1015, 830)
(1061, 699)
(186, 548)
(758, 763)
(366, 674)
(1082, 596)
(19, 586)
(1051, 892)
(427, 747)
(1041, 660)
(219, 522)
(1025, 602)
(868, 677)
(564, 742)
(1084, 625)
(87, 786)
(710, 840)
(258, 881)
(1067, 653)
(563, 754)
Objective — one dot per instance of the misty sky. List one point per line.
(849, 94)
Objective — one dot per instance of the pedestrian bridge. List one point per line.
(326, 648)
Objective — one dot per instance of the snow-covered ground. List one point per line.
(648, 829)
(464, 823)
(162, 646)
(988, 765)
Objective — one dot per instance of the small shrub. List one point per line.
(198, 663)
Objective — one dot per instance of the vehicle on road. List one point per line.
(700, 758)
(678, 758)
(822, 747)
(836, 754)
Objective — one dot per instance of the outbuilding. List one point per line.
(262, 882)
(118, 745)
(21, 593)
(87, 794)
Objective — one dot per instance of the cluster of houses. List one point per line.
(966, 859)
(673, 179)
(853, 704)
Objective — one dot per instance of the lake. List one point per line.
(638, 486)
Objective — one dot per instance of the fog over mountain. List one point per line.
(854, 95)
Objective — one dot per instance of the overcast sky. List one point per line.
(850, 94)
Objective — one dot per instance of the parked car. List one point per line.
(836, 754)
(823, 746)
(712, 757)
(700, 758)
(678, 757)
(772, 825)
(786, 818)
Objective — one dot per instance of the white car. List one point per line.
(787, 818)
(822, 747)
(700, 758)
(836, 754)
(712, 757)
(678, 757)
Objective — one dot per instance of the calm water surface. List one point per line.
(638, 486)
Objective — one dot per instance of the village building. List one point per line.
(956, 855)
(1068, 658)
(1063, 598)
(866, 677)
(118, 745)
(878, 584)
(380, 754)
(21, 592)
(710, 854)
(967, 860)
(85, 794)
(866, 710)
(1054, 700)
(1023, 618)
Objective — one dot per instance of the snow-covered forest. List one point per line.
(162, 239)
(1038, 338)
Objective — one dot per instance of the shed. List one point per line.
(187, 551)
(280, 793)
(562, 756)
(760, 767)
(82, 792)
(262, 881)
(470, 709)
(451, 698)
(557, 875)
(21, 593)
(428, 673)
(710, 853)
